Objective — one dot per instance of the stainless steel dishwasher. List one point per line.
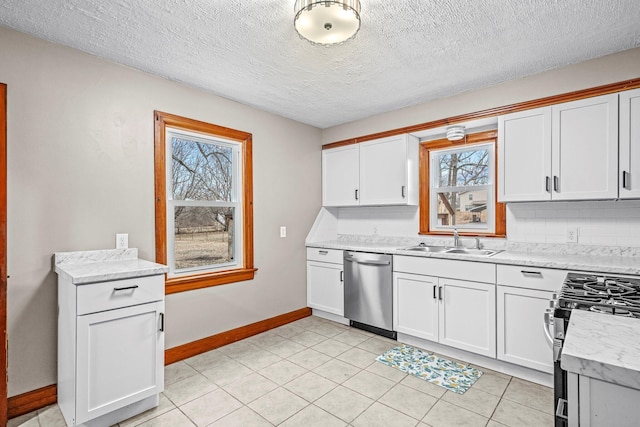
(368, 293)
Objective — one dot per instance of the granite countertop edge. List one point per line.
(591, 263)
(603, 347)
(82, 268)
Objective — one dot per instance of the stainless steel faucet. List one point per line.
(456, 237)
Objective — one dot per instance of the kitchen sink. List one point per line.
(470, 251)
(427, 248)
(450, 250)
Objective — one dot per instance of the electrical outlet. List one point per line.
(572, 235)
(122, 241)
(283, 231)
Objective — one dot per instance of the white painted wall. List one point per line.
(596, 72)
(80, 155)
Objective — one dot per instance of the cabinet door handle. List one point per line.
(434, 292)
(625, 180)
(356, 194)
(556, 185)
(402, 192)
(531, 273)
(342, 276)
(547, 184)
(440, 293)
(126, 288)
(161, 322)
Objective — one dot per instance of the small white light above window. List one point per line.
(327, 22)
(455, 133)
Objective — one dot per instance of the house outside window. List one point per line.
(462, 188)
(459, 190)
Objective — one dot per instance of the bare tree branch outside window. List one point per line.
(202, 172)
(458, 173)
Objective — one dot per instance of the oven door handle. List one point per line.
(548, 323)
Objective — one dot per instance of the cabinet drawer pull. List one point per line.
(323, 252)
(402, 192)
(127, 288)
(547, 184)
(161, 322)
(531, 273)
(556, 186)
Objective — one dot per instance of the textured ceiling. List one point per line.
(407, 51)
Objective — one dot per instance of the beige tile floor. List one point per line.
(314, 372)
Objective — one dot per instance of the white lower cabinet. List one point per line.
(120, 355)
(416, 305)
(597, 403)
(520, 329)
(325, 279)
(523, 294)
(468, 316)
(455, 312)
(110, 349)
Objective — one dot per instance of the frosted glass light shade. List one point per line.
(327, 22)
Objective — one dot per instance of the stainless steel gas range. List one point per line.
(618, 296)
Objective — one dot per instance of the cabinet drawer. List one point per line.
(454, 269)
(104, 296)
(324, 255)
(544, 279)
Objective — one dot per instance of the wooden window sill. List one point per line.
(198, 281)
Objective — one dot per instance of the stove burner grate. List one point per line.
(603, 294)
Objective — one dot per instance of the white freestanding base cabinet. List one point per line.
(110, 336)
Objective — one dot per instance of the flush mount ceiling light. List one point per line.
(455, 133)
(327, 22)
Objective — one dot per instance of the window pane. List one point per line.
(462, 208)
(463, 168)
(203, 236)
(201, 171)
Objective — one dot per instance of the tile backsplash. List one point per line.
(610, 223)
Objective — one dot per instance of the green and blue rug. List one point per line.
(446, 373)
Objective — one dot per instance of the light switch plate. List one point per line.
(283, 231)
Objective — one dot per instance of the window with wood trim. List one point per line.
(204, 203)
(458, 187)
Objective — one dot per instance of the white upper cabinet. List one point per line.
(524, 155)
(585, 149)
(567, 151)
(629, 178)
(374, 173)
(341, 176)
(389, 171)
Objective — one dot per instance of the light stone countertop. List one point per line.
(604, 347)
(604, 261)
(85, 267)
